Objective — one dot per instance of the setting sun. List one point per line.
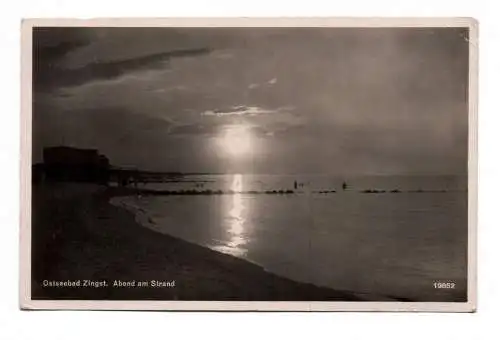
(237, 140)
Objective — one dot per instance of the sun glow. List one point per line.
(237, 140)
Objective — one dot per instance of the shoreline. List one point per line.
(82, 236)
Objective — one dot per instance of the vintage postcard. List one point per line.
(320, 164)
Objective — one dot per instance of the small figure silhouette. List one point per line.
(344, 186)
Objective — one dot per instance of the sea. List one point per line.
(378, 236)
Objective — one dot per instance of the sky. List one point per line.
(372, 101)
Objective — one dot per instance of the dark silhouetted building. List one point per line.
(62, 163)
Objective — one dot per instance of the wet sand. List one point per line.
(78, 235)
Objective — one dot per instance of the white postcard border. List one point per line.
(26, 138)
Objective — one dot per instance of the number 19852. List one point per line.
(444, 285)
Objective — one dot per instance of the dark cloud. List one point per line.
(53, 76)
(214, 130)
(194, 129)
(72, 56)
(50, 45)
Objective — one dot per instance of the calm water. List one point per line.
(391, 244)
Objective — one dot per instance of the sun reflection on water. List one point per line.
(236, 221)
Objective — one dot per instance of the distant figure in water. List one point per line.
(344, 185)
(295, 185)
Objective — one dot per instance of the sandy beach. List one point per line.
(77, 235)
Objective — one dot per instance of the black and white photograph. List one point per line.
(249, 167)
